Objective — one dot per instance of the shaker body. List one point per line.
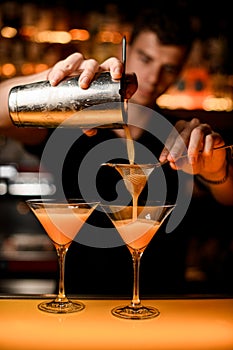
(67, 105)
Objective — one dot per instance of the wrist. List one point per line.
(216, 178)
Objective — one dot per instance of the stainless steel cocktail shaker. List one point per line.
(67, 105)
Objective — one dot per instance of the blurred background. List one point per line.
(36, 34)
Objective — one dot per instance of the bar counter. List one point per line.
(185, 323)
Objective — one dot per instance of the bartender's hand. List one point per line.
(87, 68)
(76, 64)
(197, 140)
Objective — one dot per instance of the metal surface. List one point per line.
(40, 104)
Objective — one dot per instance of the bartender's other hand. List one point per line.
(197, 140)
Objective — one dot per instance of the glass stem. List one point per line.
(61, 253)
(136, 255)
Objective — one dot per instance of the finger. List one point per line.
(89, 68)
(174, 145)
(197, 142)
(212, 141)
(208, 154)
(181, 140)
(114, 65)
(65, 67)
(168, 145)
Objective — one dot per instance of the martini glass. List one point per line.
(137, 234)
(61, 220)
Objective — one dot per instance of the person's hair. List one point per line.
(172, 27)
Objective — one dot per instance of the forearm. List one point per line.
(26, 135)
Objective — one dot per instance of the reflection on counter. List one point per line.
(193, 324)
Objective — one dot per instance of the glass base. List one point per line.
(61, 307)
(135, 313)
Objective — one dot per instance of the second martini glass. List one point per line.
(61, 220)
(137, 232)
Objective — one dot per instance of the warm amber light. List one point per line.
(212, 103)
(8, 32)
(201, 324)
(50, 36)
(79, 34)
(40, 67)
(27, 68)
(107, 36)
(175, 101)
(8, 70)
(197, 90)
(28, 31)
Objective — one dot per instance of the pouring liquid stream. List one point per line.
(135, 176)
(133, 181)
(129, 144)
(130, 177)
